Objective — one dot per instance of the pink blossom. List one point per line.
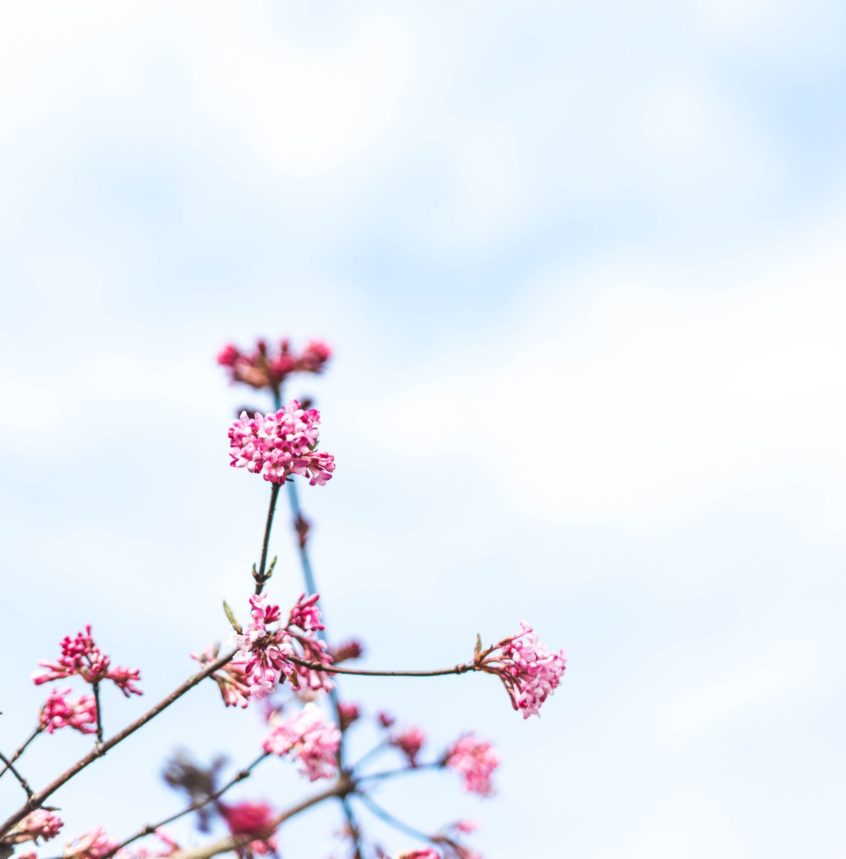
(37, 824)
(249, 818)
(529, 672)
(348, 713)
(352, 649)
(58, 712)
(92, 845)
(267, 654)
(269, 368)
(385, 719)
(409, 741)
(83, 658)
(231, 679)
(428, 853)
(475, 761)
(466, 827)
(280, 445)
(313, 741)
(263, 652)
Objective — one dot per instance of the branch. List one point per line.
(234, 842)
(20, 750)
(261, 577)
(363, 672)
(37, 799)
(21, 780)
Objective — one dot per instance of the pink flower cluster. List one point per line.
(264, 368)
(529, 672)
(231, 679)
(280, 445)
(92, 845)
(313, 741)
(81, 657)
(255, 819)
(37, 824)
(58, 712)
(409, 741)
(266, 654)
(475, 761)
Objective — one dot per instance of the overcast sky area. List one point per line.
(583, 268)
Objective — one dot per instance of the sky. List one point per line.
(582, 267)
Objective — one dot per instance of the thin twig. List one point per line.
(260, 576)
(38, 798)
(21, 749)
(383, 774)
(96, 688)
(395, 822)
(22, 781)
(364, 672)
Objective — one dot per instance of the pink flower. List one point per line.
(37, 824)
(466, 827)
(231, 679)
(58, 712)
(266, 368)
(347, 650)
(348, 713)
(280, 445)
(81, 657)
(409, 741)
(475, 761)
(428, 853)
(249, 818)
(385, 719)
(529, 672)
(263, 652)
(266, 654)
(92, 845)
(313, 741)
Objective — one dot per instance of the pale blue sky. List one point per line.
(583, 266)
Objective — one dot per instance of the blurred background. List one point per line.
(582, 265)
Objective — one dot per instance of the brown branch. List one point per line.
(341, 788)
(21, 780)
(20, 750)
(261, 576)
(37, 799)
(363, 672)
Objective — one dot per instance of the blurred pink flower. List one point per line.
(475, 761)
(313, 741)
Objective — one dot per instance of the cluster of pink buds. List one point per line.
(409, 741)
(59, 712)
(347, 714)
(529, 672)
(82, 658)
(280, 445)
(475, 761)
(266, 368)
(267, 655)
(254, 819)
(37, 824)
(231, 679)
(92, 845)
(313, 741)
